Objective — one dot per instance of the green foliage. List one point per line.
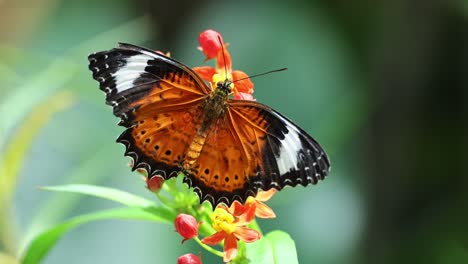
(32, 90)
(43, 243)
(275, 247)
(104, 192)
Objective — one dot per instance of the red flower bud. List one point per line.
(187, 226)
(210, 43)
(154, 183)
(189, 259)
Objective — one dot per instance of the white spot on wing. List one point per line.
(133, 68)
(290, 146)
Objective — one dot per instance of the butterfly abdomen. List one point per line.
(194, 150)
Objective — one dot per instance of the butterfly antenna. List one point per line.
(260, 74)
(224, 58)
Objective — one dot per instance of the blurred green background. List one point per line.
(380, 84)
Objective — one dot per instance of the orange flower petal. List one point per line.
(236, 208)
(264, 196)
(264, 211)
(205, 72)
(244, 86)
(214, 239)
(246, 234)
(248, 215)
(230, 248)
(224, 54)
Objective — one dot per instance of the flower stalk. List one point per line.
(231, 226)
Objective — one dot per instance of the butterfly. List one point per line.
(175, 122)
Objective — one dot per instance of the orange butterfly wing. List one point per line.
(252, 148)
(158, 100)
(220, 173)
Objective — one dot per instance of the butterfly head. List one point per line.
(224, 84)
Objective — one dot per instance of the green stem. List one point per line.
(164, 200)
(208, 248)
(206, 229)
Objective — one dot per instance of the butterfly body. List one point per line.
(228, 149)
(214, 107)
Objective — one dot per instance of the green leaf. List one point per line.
(122, 197)
(276, 247)
(43, 243)
(260, 252)
(165, 215)
(283, 246)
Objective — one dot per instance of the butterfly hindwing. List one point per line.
(159, 143)
(220, 173)
(253, 147)
(287, 154)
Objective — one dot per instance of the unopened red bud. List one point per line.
(189, 259)
(154, 183)
(211, 43)
(187, 226)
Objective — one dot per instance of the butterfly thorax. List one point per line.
(214, 108)
(215, 104)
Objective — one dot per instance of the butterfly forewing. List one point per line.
(132, 76)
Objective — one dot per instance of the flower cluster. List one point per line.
(229, 224)
(212, 45)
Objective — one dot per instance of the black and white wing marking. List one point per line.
(128, 73)
(286, 154)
